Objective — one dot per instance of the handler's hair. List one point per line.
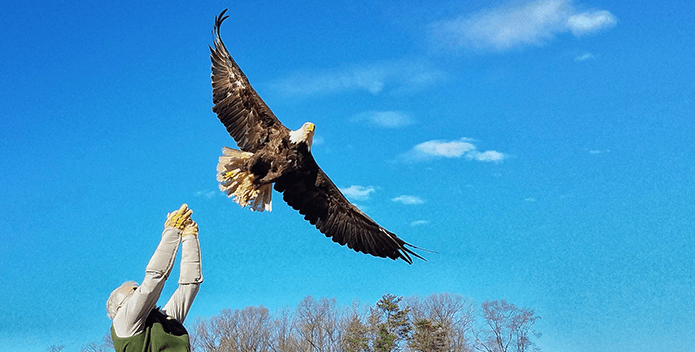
(118, 297)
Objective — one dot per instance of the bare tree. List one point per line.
(210, 335)
(427, 337)
(284, 337)
(203, 339)
(94, 347)
(246, 330)
(105, 346)
(445, 316)
(508, 328)
(317, 324)
(254, 330)
(439, 322)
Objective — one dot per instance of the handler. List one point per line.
(138, 325)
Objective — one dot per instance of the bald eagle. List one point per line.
(272, 154)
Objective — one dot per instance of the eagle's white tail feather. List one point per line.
(238, 184)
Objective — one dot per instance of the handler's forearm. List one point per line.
(163, 259)
(189, 279)
(191, 269)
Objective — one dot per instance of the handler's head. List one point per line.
(119, 296)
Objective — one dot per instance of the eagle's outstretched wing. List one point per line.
(306, 187)
(242, 111)
(315, 196)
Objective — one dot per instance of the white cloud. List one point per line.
(408, 200)
(599, 151)
(512, 25)
(419, 222)
(388, 119)
(489, 155)
(318, 140)
(373, 78)
(584, 57)
(460, 148)
(207, 194)
(590, 22)
(452, 149)
(357, 192)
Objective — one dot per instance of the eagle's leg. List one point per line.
(243, 185)
(270, 177)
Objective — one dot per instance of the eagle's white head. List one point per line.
(304, 134)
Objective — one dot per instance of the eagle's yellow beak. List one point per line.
(310, 127)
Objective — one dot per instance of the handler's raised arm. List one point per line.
(190, 277)
(131, 313)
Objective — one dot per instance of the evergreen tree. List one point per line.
(395, 327)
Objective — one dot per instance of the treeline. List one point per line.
(439, 322)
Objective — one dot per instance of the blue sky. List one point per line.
(543, 149)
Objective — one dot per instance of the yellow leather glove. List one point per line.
(180, 218)
(191, 229)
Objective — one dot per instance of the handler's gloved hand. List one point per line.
(179, 218)
(191, 229)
